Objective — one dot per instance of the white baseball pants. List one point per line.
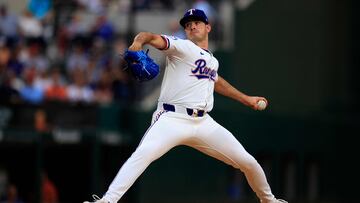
(170, 129)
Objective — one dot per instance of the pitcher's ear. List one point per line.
(208, 27)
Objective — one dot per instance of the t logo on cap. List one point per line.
(193, 15)
(191, 11)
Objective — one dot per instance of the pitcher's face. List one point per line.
(197, 30)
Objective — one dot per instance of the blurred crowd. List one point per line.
(49, 52)
(49, 192)
(71, 62)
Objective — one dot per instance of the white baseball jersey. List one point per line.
(190, 75)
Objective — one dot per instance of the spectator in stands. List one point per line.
(42, 81)
(8, 26)
(78, 90)
(100, 60)
(121, 85)
(29, 92)
(77, 31)
(103, 29)
(40, 121)
(36, 58)
(48, 23)
(7, 92)
(77, 59)
(103, 88)
(14, 81)
(12, 195)
(49, 190)
(94, 6)
(57, 89)
(14, 63)
(39, 8)
(121, 80)
(30, 28)
(4, 56)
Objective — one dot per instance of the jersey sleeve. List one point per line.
(174, 45)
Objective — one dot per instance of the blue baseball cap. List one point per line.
(194, 14)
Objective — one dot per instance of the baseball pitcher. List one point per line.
(182, 116)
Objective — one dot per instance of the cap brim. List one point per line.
(187, 19)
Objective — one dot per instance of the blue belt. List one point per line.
(190, 112)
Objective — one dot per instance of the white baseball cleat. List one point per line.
(97, 199)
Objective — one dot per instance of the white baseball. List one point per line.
(261, 105)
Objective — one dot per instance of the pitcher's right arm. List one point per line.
(143, 38)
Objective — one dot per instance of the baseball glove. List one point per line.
(141, 66)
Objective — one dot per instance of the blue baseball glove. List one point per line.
(141, 66)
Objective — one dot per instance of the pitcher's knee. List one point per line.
(248, 164)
